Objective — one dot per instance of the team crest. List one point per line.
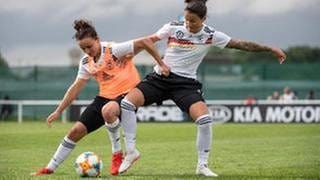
(179, 34)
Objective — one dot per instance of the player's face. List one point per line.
(90, 46)
(193, 22)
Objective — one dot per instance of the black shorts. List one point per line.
(92, 115)
(183, 91)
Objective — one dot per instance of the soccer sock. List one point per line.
(114, 135)
(63, 151)
(204, 138)
(129, 124)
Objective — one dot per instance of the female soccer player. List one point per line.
(188, 43)
(112, 67)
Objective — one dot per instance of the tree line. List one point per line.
(3, 62)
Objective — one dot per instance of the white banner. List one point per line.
(262, 113)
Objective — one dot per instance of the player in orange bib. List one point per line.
(112, 67)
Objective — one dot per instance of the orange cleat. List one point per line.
(116, 162)
(42, 171)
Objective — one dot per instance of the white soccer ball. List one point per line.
(88, 164)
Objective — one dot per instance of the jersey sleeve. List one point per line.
(122, 49)
(83, 73)
(164, 32)
(220, 39)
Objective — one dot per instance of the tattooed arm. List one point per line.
(255, 47)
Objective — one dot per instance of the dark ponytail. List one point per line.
(197, 7)
(84, 29)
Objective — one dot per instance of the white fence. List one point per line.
(297, 110)
(20, 104)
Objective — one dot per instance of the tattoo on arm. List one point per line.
(247, 46)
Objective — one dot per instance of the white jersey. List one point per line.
(185, 50)
(117, 49)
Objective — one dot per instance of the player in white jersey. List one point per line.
(186, 49)
(188, 43)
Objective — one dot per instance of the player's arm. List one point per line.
(256, 47)
(149, 39)
(154, 38)
(147, 43)
(70, 95)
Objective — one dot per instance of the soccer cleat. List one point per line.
(204, 170)
(130, 158)
(42, 171)
(116, 162)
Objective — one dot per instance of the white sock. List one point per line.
(204, 138)
(63, 151)
(129, 124)
(114, 135)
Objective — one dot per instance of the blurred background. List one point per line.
(39, 58)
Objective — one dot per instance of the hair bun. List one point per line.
(81, 24)
(84, 29)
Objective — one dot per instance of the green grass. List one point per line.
(240, 151)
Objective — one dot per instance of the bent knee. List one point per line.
(110, 111)
(135, 97)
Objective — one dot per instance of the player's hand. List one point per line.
(52, 117)
(280, 55)
(165, 70)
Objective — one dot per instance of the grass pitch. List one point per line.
(240, 151)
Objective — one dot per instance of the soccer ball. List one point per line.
(88, 164)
